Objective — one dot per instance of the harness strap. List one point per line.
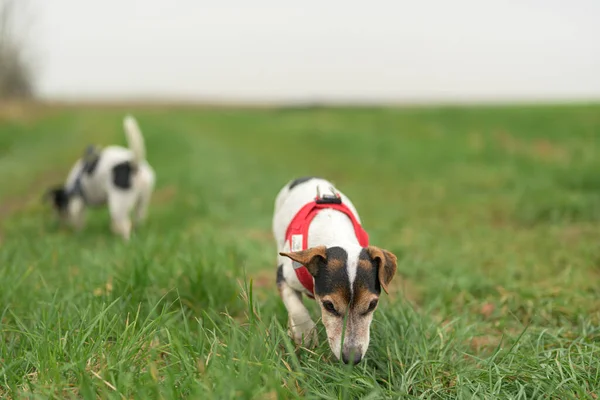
(297, 235)
(90, 158)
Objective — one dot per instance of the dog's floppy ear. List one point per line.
(387, 264)
(50, 193)
(310, 258)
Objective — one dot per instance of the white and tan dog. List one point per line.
(324, 253)
(118, 176)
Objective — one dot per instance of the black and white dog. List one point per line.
(324, 254)
(115, 175)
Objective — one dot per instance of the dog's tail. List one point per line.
(135, 140)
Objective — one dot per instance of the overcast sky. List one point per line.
(270, 50)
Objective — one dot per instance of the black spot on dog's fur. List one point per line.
(331, 279)
(367, 278)
(122, 173)
(60, 198)
(298, 181)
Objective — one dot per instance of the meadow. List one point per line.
(493, 212)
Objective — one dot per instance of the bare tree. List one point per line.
(16, 74)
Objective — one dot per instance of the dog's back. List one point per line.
(293, 196)
(117, 168)
(114, 167)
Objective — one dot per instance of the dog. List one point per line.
(118, 176)
(324, 254)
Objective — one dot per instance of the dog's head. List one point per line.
(59, 198)
(348, 282)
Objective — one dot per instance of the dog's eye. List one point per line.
(330, 308)
(372, 306)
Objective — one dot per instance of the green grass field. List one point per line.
(494, 213)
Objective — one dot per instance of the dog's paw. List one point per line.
(304, 334)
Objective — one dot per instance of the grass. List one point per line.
(493, 212)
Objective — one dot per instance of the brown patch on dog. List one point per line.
(339, 299)
(399, 286)
(335, 263)
(362, 299)
(308, 257)
(387, 265)
(365, 265)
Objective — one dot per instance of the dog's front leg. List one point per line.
(120, 205)
(302, 328)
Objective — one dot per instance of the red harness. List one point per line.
(297, 236)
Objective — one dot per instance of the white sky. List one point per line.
(340, 50)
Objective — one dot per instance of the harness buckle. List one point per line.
(333, 198)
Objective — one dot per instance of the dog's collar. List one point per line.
(297, 233)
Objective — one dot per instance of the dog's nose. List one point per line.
(351, 356)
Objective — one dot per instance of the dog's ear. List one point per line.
(58, 196)
(310, 258)
(387, 264)
(51, 193)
